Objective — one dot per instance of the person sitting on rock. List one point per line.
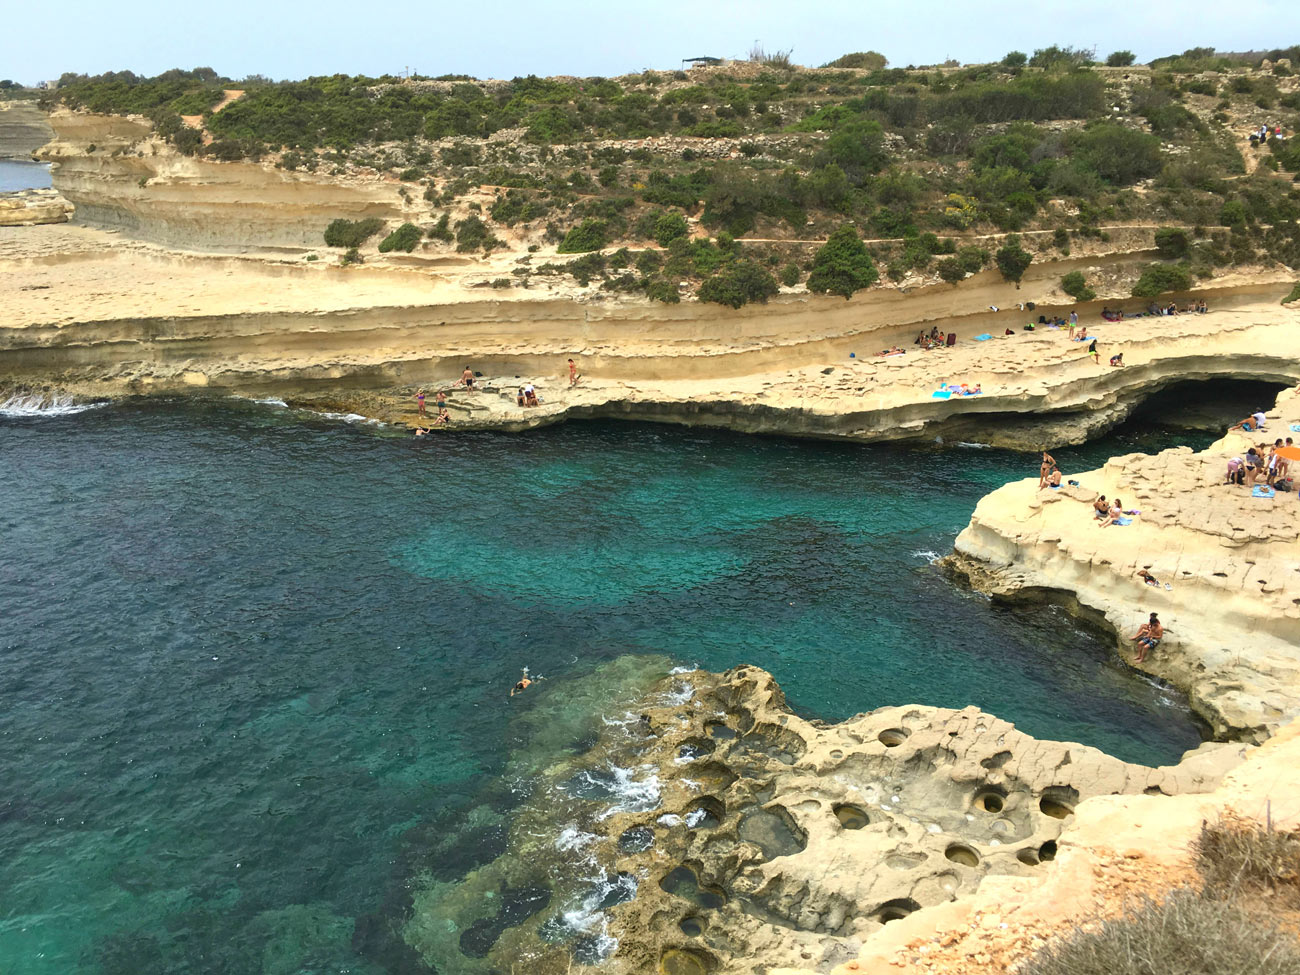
(1100, 507)
(1055, 479)
(1113, 514)
(1148, 637)
(443, 418)
(1148, 578)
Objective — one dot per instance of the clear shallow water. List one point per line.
(17, 174)
(254, 664)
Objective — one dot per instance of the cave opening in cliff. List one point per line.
(1206, 404)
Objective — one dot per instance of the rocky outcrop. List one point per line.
(711, 830)
(120, 177)
(1225, 561)
(28, 208)
(23, 129)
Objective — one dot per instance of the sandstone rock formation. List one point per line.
(718, 831)
(23, 128)
(1232, 600)
(27, 208)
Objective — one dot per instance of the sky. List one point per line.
(506, 38)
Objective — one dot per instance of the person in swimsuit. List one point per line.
(1113, 514)
(1045, 469)
(1055, 479)
(441, 400)
(443, 418)
(1100, 507)
(1148, 637)
(524, 682)
(1148, 578)
(1092, 351)
(419, 399)
(573, 373)
(467, 378)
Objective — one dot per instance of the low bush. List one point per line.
(1159, 278)
(472, 234)
(973, 259)
(842, 265)
(670, 227)
(950, 270)
(1293, 296)
(404, 238)
(790, 275)
(739, 283)
(1076, 286)
(1245, 859)
(590, 235)
(1172, 242)
(352, 233)
(1184, 934)
(442, 230)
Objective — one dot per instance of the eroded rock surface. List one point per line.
(1226, 561)
(712, 830)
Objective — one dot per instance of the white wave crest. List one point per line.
(929, 556)
(573, 838)
(42, 404)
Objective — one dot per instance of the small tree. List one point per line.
(1120, 59)
(868, 60)
(352, 233)
(842, 265)
(790, 275)
(739, 283)
(669, 227)
(973, 259)
(1015, 59)
(1076, 286)
(1159, 278)
(1013, 260)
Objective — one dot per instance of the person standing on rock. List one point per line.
(441, 401)
(419, 398)
(573, 373)
(1045, 469)
(1148, 637)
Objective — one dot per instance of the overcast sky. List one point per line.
(504, 38)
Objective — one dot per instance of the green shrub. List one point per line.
(973, 259)
(472, 234)
(647, 262)
(1120, 59)
(1293, 296)
(1173, 242)
(1159, 278)
(950, 270)
(352, 233)
(1012, 259)
(404, 238)
(739, 283)
(608, 176)
(868, 60)
(442, 230)
(1184, 934)
(1015, 59)
(590, 235)
(670, 227)
(660, 290)
(790, 275)
(842, 265)
(1074, 285)
(1117, 154)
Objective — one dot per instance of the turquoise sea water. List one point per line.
(255, 664)
(19, 174)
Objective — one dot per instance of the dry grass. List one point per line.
(1250, 875)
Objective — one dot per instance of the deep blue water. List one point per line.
(252, 659)
(17, 174)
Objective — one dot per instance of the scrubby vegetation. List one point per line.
(1076, 286)
(917, 161)
(404, 238)
(352, 233)
(842, 265)
(1248, 873)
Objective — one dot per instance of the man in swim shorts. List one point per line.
(1148, 637)
(467, 378)
(524, 683)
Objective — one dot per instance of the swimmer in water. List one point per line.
(524, 683)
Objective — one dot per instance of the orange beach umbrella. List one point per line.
(1290, 453)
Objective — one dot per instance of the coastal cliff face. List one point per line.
(1229, 585)
(24, 128)
(120, 177)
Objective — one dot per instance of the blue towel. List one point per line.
(1260, 491)
(1123, 521)
(983, 338)
(941, 394)
(1295, 428)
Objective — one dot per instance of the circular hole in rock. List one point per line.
(836, 753)
(707, 813)
(851, 817)
(896, 910)
(960, 853)
(990, 801)
(638, 839)
(1028, 856)
(679, 961)
(1057, 810)
(893, 737)
(1047, 851)
(692, 926)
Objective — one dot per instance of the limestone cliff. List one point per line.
(1225, 562)
(120, 176)
(23, 129)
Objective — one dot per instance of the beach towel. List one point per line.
(1261, 491)
(1123, 521)
(983, 338)
(941, 394)
(1295, 428)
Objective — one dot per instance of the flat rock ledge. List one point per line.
(1226, 561)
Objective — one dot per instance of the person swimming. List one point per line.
(524, 682)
